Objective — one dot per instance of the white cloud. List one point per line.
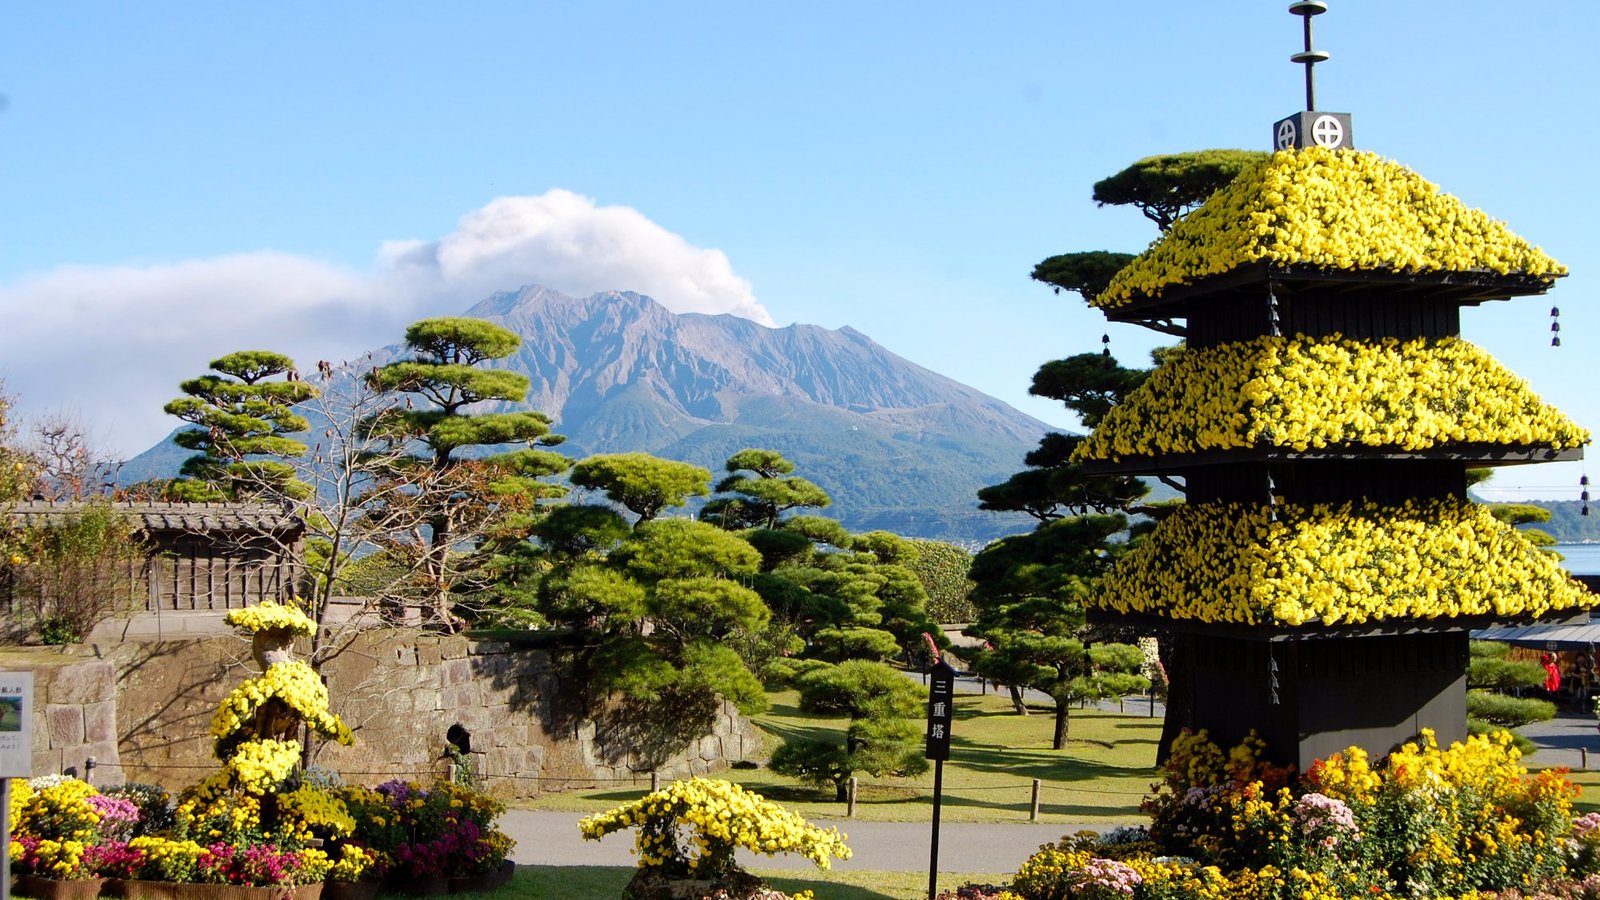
(110, 344)
(577, 248)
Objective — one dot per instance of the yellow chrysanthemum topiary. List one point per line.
(721, 816)
(1305, 393)
(1335, 565)
(270, 616)
(1332, 209)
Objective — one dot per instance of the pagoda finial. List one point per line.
(1309, 57)
(1311, 128)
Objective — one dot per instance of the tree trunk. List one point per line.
(1059, 741)
(841, 791)
(1016, 700)
(1177, 657)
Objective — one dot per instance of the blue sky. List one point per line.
(182, 180)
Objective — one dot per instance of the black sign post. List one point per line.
(941, 703)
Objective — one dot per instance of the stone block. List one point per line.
(66, 725)
(454, 647)
(47, 761)
(455, 671)
(428, 652)
(405, 655)
(460, 697)
(85, 682)
(100, 722)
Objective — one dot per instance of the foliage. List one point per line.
(642, 483)
(418, 476)
(1167, 186)
(1304, 393)
(691, 829)
(763, 490)
(1085, 274)
(942, 569)
(1334, 564)
(880, 740)
(69, 574)
(242, 425)
(1502, 711)
(1333, 209)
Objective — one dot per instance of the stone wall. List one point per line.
(74, 714)
(516, 710)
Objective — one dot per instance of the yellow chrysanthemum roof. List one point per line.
(1305, 393)
(1333, 565)
(1334, 210)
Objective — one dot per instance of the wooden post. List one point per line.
(1583, 754)
(1033, 807)
(88, 771)
(933, 849)
(5, 838)
(850, 804)
(655, 781)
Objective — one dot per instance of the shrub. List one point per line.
(942, 569)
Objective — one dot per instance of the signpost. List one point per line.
(16, 755)
(941, 703)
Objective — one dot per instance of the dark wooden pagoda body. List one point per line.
(1312, 691)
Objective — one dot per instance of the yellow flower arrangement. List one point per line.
(294, 683)
(723, 816)
(1305, 393)
(1333, 209)
(262, 765)
(1336, 564)
(270, 616)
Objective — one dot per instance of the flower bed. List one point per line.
(1336, 564)
(1334, 209)
(1463, 822)
(1305, 393)
(259, 821)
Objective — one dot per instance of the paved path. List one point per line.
(552, 839)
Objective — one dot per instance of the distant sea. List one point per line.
(1581, 559)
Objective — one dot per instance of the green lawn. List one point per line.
(1106, 768)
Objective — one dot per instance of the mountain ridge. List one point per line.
(898, 446)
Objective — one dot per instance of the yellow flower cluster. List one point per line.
(1305, 393)
(212, 807)
(270, 616)
(262, 765)
(61, 859)
(353, 861)
(723, 816)
(293, 682)
(1334, 209)
(21, 793)
(1336, 564)
(60, 812)
(165, 859)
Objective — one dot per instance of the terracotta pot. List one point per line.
(478, 884)
(350, 890)
(41, 888)
(134, 889)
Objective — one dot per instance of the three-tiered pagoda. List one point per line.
(1327, 566)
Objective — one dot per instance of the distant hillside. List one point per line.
(1567, 523)
(898, 447)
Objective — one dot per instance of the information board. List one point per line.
(16, 724)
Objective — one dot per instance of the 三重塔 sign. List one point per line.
(16, 724)
(941, 702)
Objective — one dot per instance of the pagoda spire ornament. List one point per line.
(1309, 128)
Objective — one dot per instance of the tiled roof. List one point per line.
(191, 517)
